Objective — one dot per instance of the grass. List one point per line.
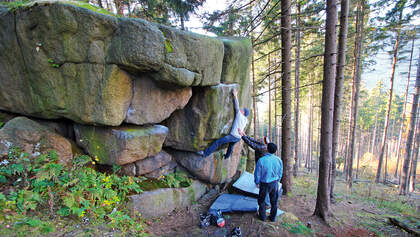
(89, 7)
(13, 6)
(298, 228)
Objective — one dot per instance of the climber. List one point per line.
(233, 137)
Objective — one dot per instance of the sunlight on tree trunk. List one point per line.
(405, 174)
(412, 183)
(404, 110)
(384, 136)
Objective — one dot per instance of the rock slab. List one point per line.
(160, 202)
(213, 169)
(34, 139)
(208, 116)
(147, 164)
(153, 104)
(120, 145)
(83, 61)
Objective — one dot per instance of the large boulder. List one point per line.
(162, 201)
(153, 104)
(213, 169)
(147, 165)
(68, 79)
(162, 171)
(60, 60)
(34, 139)
(208, 116)
(120, 145)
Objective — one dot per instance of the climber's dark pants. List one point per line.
(226, 139)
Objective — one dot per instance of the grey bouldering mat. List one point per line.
(234, 203)
(246, 184)
(279, 212)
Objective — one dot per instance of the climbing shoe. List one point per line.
(204, 220)
(217, 218)
(236, 232)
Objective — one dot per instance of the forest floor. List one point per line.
(362, 212)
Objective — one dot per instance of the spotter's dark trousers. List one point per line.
(270, 189)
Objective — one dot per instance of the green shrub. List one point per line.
(41, 183)
(177, 180)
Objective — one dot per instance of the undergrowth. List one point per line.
(298, 228)
(38, 193)
(368, 204)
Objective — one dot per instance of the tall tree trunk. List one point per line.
(412, 154)
(297, 72)
(269, 98)
(404, 110)
(275, 109)
(182, 22)
(338, 93)
(404, 177)
(375, 129)
(358, 153)
(254, 99)
(355, 91)
(412, 183)
(310, 128)
(386, 161)
(388, 150)
(322, 207)
(119, 6)
(286, 44)
(394, 62)
(317, 142)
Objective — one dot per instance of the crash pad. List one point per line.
(279, 212)
(246, 184)
(234, 203)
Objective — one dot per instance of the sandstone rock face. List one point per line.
(198, 54)
(213, 169)
(33, 138)
(237, 60)
(63, 82)
(236, 67)
(152, 163)
(79, 59)
(208, 116)
(162, 171)
(59, 61)
(121, 145)
(64, 129)
(153, 104)
(147, 165)
(162, 201)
